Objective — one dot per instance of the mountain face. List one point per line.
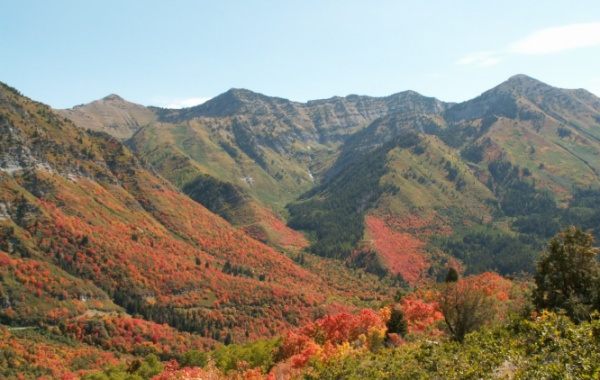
(245, 155)
(87, 229)
(352, 171)
(520, 155)
(315, 121)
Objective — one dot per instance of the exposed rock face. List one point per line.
(15, 152)
(280, 121)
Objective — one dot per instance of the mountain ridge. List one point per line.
(278, 150)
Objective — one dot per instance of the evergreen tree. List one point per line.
(397, 323)
(567, 275)
(452, 275)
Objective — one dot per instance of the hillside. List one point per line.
(111, 251)
(514, 161)
(89, 231)
(245, 155)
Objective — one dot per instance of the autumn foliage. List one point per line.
(402, 252)
(333, 334)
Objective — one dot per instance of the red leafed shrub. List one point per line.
(420, 313)
(322, 337)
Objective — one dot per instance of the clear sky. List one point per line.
(174, 53)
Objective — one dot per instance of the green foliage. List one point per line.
(397, 323)
(465, 307)
(220, 197)
(567, 275)
(483, 249)
(136, 370)
(247, 142)
(149, 367)
(334, 211)
(517, 196)
(452, 275)
(473, 153)
(551, 347)
(563, 132)
(194, 358)
(259, 353)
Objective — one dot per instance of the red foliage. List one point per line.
(420, 311)
(60, 360)
(94, 235)
(323, 335)
(132, 335)
(402, 252)
(282, 235)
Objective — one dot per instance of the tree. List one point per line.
(397, 323)
(567, 275)
(465, 306)
(194, 358)
(452, 275)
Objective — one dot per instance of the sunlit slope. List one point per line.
(82, 203)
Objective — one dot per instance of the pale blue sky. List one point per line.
(67, 52)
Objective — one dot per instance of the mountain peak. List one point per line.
(113, 97)
(521, 81)
(521, 78)
(240, 92)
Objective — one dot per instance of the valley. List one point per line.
(286, 229)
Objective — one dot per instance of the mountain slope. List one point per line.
(80, 206)
(506, 159)
(246, 155)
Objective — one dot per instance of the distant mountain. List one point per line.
(519, 148)
(246, 155)
(112, 114)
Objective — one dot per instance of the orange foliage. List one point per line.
(58, 360)
(421, 313)
(121, 248)
(282, 235)
(323, 337)
(132, 335)
(402, 252)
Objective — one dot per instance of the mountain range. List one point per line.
(248, 215)
(328, 164)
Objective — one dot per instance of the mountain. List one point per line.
(112, 114)
(248, 216)
(89, 232)
(246, 155)
(515, 160)
(353, 171)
